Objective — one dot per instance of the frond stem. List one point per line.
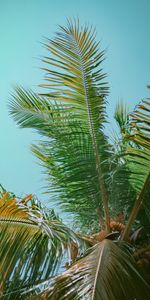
(135, 210)
(103, 190)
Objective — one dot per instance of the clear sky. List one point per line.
(123, 27)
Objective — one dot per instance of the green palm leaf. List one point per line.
(138, 157)
(72, 116)
(77, 55)
(122, 194)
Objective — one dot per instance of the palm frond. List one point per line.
(77, 58)
(108, 271)
(138, 156)
(123, 193)
(32, 246)
(140, 138)
(71, 115)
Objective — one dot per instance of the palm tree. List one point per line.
(105, 185)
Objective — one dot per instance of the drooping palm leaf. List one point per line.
(108, 271)
(32, 245)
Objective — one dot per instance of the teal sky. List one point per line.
(122, 26)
